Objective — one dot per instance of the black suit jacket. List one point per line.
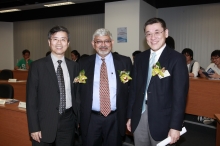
(86, 91)
(43, 96)
(166, 97)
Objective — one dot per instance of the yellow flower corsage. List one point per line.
(124, 76)
(157, 70)
(81, 78)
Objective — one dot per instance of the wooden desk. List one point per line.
(19, 89)
(20, 75)
(13, 125)
(217, 116)
(203, 97)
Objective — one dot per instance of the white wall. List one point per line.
(123, 14)
(196, 27)
(6, 47)
(146, 12)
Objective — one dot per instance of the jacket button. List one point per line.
(58, 91)
(57, 108)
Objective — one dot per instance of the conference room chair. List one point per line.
(6, 91)
(6, 74)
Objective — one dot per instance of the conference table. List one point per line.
(13, 125)
(20, 74)
(19, 89)
(203, 99)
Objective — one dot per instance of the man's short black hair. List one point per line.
(215, 53)
(135, 53)
(25, 51)
(188, 51)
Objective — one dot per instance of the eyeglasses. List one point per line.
(156, 34)
(106, 42)
(214, 58)
(55, 40)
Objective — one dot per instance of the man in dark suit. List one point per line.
(52, 99)
(157, 102)
(99, 128)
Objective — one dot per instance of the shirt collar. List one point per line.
(158, 52)
(109, 56)
(55, 59)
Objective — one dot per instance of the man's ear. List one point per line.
(49, 42)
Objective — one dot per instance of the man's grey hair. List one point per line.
(102, 32)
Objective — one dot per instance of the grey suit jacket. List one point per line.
(43, 96)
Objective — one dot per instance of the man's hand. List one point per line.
(215, 75)
(36, 136)
(174, 135)
(129, 125)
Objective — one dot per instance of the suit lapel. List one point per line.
(70, 69)
(51, 70)
(144, 66)
(118, 67)
(90, 73)
(162, 60)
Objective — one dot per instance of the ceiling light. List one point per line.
(59, 4)
(10, 10)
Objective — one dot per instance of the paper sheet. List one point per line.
(168, 139)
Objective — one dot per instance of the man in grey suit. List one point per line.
(157, 101)
(52, 97)
(99, 128)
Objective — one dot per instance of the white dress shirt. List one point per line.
(111, 79)
(158, 53)
(66, 78)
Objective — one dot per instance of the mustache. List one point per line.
(103, 47)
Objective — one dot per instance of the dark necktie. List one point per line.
(105, 105)
(61, 83)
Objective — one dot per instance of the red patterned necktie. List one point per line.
(105, 105)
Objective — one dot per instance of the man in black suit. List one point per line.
(52, 106)
(99, 128)
(157, 102)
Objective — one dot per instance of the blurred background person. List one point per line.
(135, 53)
(25, 62)
(193, 65)
(48, 53)
(75, 55)
(215, 57)
(170, 42)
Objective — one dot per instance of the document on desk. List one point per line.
(168, 139)
(22, 104)
(2, 101)
(9, 101)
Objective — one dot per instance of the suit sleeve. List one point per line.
(31, 99)
(180, 84)
(132, 88)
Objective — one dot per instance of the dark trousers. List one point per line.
(102, 131)
(65, 131)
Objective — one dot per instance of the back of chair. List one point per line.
(6, 91)
(6, 74)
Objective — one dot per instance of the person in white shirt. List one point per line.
(214, 66)
(193, 65)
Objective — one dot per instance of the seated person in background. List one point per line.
(170, 42)
(214, 66)
(25, 62)
(84, 56)
(213, 56)
(48, 53)
(193, 66)
(75, 55)
(135, 53)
